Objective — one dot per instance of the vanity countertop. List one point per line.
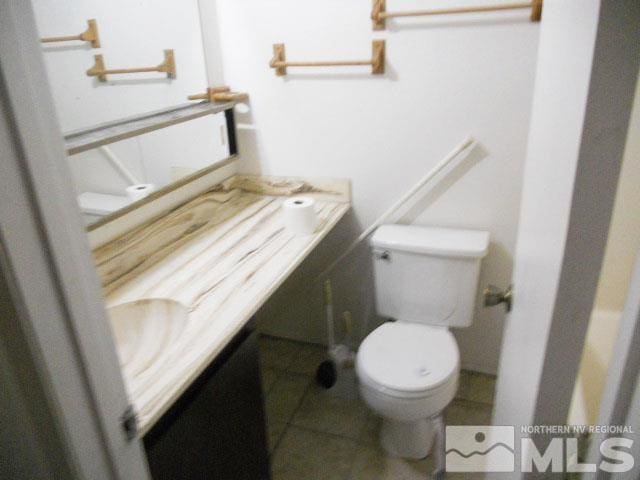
(222, 255)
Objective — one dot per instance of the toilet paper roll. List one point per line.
(300, 215)
(136, 192)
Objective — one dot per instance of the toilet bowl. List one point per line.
(408, 374)
(426, 279)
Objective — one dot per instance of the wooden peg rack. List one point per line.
(89, 35)
(99, 70)
(377, 62)
(219, 94)
(379, 12)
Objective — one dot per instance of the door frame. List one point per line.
(55, 294)
(68, 367)
(604, 133)
(620, 404)
(587, 71)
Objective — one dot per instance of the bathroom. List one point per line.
(185, 133)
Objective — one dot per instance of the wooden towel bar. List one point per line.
(99, 70)
(89, 35)
(377, 62)
(379, 13)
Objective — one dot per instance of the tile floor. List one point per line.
(316, 436)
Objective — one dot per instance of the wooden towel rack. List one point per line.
(89, 35)
(168, 66)
(377, 61)
(379, 13)
(219, 94)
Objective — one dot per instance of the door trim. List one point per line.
(623, 377)
(47, 266)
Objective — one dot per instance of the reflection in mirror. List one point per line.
(113, 176)
(132, 35)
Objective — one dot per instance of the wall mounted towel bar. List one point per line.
(377, 62)
(89, 35)
(379, 13)
(168, 66)
(219, 94)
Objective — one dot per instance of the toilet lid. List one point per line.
(409, 357)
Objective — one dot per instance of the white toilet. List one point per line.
(426, 280)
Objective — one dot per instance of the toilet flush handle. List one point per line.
(494, 296)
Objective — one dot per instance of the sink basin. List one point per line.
(145, 330)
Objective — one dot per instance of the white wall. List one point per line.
(447, 77)
(132, 34)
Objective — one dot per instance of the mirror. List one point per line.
(131, 35)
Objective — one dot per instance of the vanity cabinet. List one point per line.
(216, 430)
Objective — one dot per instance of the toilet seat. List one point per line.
(408, 360)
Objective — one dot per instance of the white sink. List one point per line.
(145, 330)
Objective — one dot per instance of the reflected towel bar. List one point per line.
(219, 94)
(89, 35)
(379, 13)
(377, 61)
(168, 66)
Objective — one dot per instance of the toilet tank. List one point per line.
(427, 275)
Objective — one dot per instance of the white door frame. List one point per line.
(614, 73)
(620, 403)
(588, 64)
(59, 318)
(67, 367)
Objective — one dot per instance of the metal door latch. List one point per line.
(129, 422)
(382, 255)
(494, 296)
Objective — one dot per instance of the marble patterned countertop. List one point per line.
(221, 255)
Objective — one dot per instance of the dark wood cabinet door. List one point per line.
(216, 430)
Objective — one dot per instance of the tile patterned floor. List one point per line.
(315, 436)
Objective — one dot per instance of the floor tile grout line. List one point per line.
(330, 434)
(302, 397)
(281, 371)
(273, 367)
(301, 345)
(474, 402)
(278, 441)
(293, 357)
(273, 384)
(357, 442)
(298, 347)
(288, 423)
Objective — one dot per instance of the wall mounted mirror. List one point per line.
(111, 175)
